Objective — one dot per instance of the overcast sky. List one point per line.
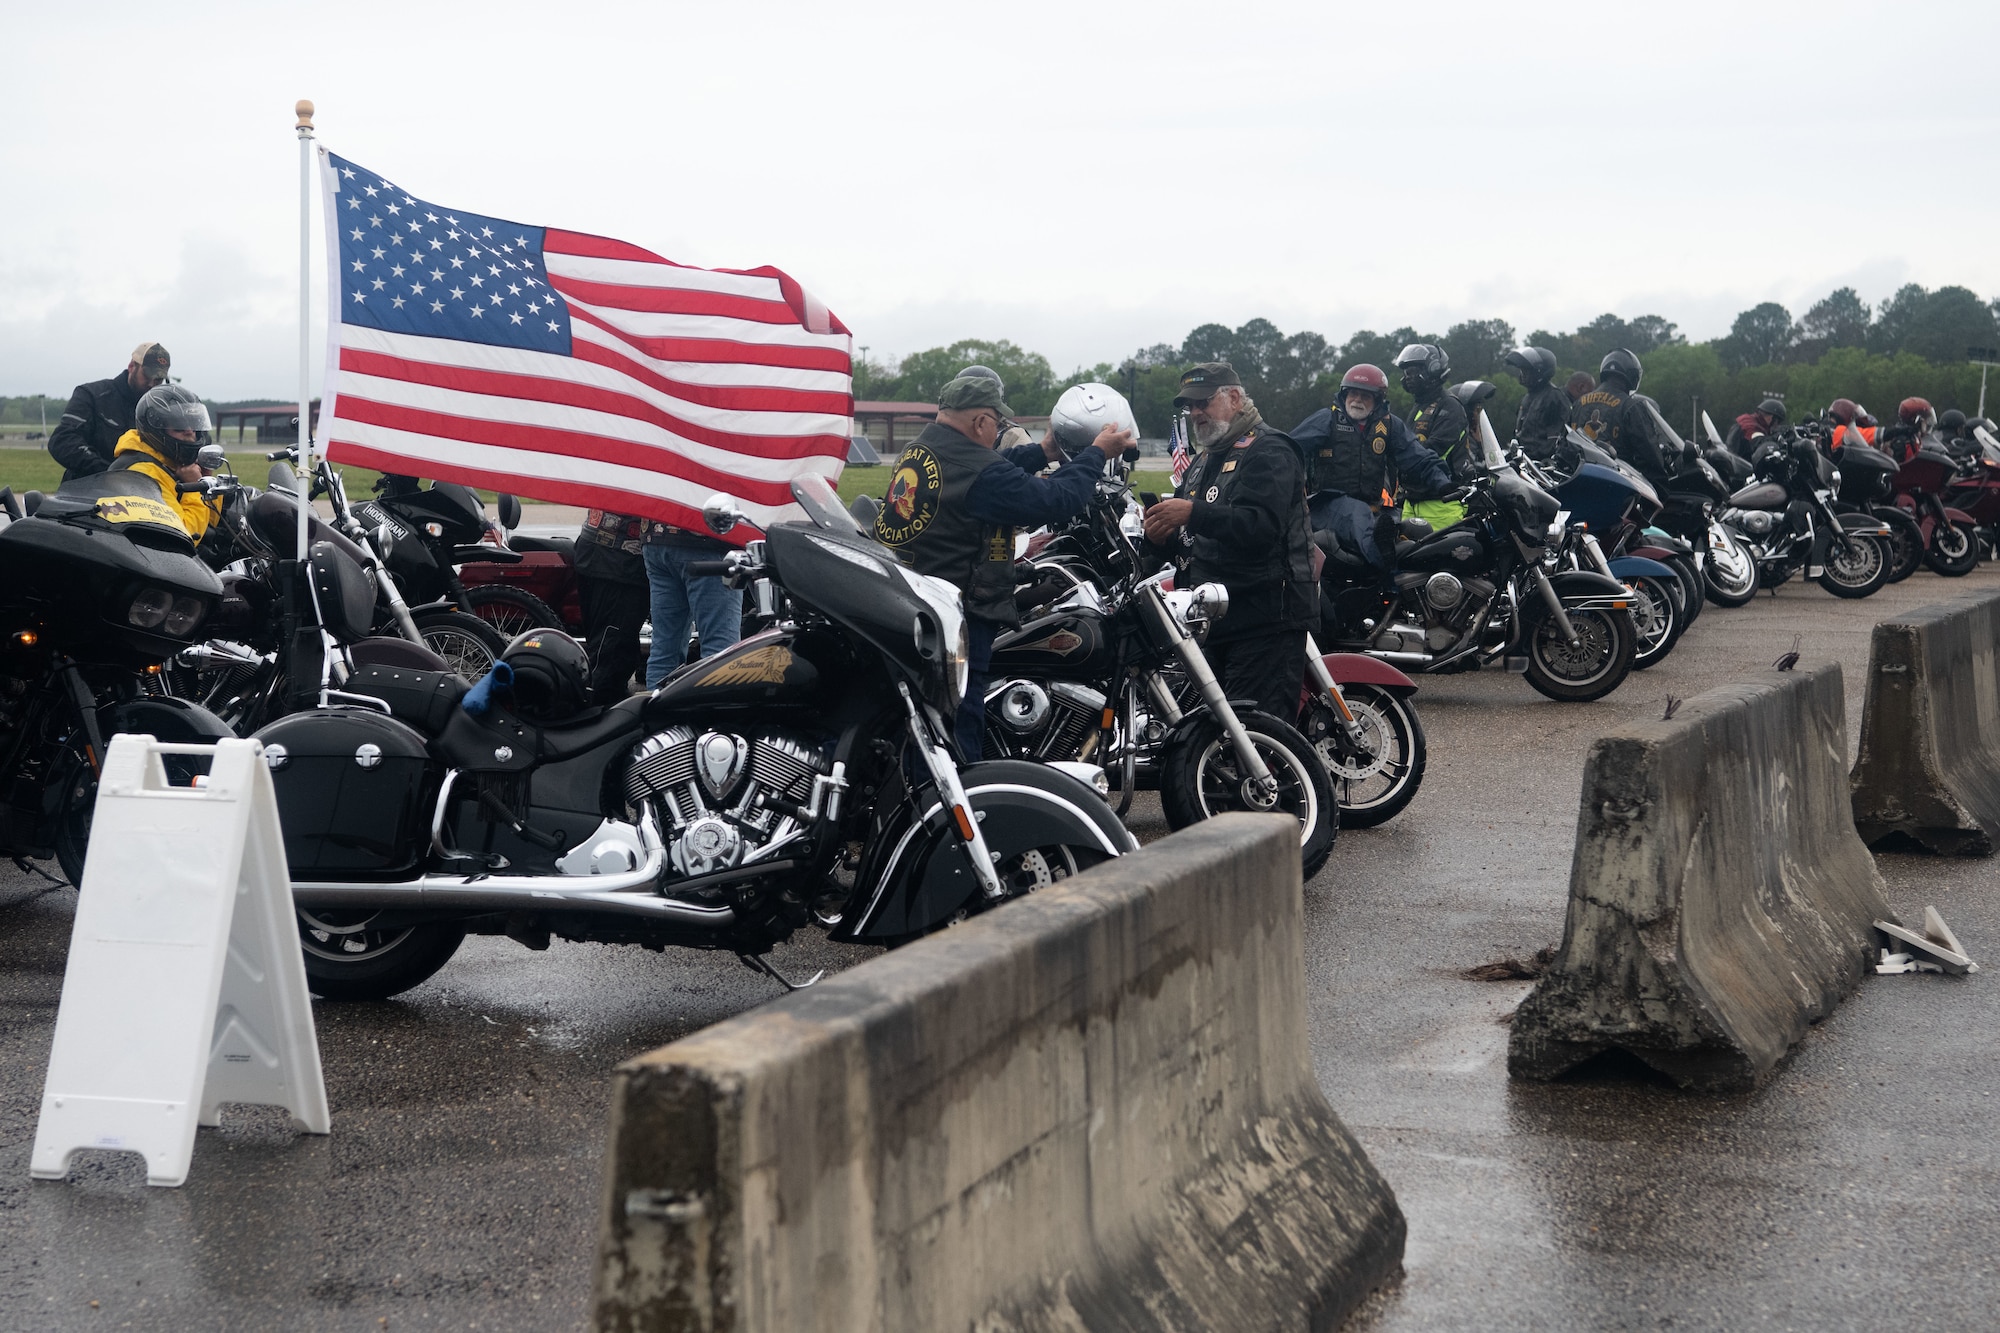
(1083, 178)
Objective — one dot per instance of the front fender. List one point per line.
(1584, 585)
(916, 878)
(164, 719)
(1867, 525)
(1361, 669)
(1957, 515)
(1632, 566)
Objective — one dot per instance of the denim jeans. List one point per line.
(712, 607)
(969, 725)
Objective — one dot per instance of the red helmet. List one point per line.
(1912, 410)
(1842, 410)
(1367, 378)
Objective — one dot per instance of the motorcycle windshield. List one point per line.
(1490, 456)
(816, 496)
(1671, 443)
(1708, 427)
(1989, 447)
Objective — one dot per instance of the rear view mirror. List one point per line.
(510, 512)
(211, 458)
(721, 513)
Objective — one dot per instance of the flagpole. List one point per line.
(305, 128)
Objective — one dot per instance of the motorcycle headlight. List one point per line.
(185, 614)
(150, 607)
(954, 655)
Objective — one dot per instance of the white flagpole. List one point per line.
(305, 127)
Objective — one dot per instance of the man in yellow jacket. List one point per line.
(169, 427)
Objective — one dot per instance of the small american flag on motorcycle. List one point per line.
(568, 367)
(1178, 436)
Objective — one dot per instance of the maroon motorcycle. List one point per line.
(1951, 535)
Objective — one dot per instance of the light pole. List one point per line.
(1985, 358)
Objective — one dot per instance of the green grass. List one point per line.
(875, 481)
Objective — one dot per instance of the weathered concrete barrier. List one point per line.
(1930, 729)
(1093, 1109)
(1720, 901)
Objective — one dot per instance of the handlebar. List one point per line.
(702, 569)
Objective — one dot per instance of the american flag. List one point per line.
(1180, 446)
(568, 367)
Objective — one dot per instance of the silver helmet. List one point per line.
(1084, 410)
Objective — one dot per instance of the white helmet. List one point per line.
(1084, 410)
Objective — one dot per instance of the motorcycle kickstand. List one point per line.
(758, 963)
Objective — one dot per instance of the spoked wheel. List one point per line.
(512, 611)
(1855, 567)
(1375, 779)
(1954, 550)
(468, 643)
(1596, 664)
(1657, 617)
(1202, 778)
(1729, 575)
(1906, 541)
(352, 955)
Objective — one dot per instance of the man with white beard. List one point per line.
(1239, 518)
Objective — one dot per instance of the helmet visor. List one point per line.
(189, 415)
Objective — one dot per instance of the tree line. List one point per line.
(1915, 344)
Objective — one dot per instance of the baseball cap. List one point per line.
(1199, 383)
(969, 392)
(152, 358)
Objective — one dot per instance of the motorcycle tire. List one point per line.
(1659, 618)
(1373, 785)
(346, 960)
(469, 644)
(1691, 589)
(1906, 541)
(76, 778)
(1859, 570)
(1954, 550)
(1723, 590)
(511, 610)
(1596, 667)
(1198, 780)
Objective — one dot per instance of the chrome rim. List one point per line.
(1855, 562)
(1221, 782)
(1650, 618)
(1588, 661)
(463, 652)
(347, 937)
(1371, 774)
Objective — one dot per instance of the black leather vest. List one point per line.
(1353, 460)
(924, 519)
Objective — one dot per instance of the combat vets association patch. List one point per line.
(912, 499)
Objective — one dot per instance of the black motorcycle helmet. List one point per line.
(551, 675)
(1621, 365)
(170, 407)
(1951, 422)
(1473, 395)
(1424, 368)
(1773, 409)
(1533, 366)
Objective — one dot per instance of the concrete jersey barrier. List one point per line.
(1929, 767)
(1091, 1109)
(1720, 901)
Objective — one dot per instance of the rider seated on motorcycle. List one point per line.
(1955, 433)
(1543, 420)
(1914, 419)
(1844, 425)
(153, 459)
(1751, 430)
(1357, 453)
(1616, 416)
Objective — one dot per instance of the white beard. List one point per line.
(1208, 432)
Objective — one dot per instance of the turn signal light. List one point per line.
(964, 822)
(27, 638)
(1619, 606)
(1110, 717)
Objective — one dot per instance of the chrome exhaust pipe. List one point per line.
(520, 893)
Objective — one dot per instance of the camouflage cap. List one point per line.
(1199, 383)
(969, 393)
(153, 358)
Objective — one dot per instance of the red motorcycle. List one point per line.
(541, 574)
(1977, 489)
(1951, 535)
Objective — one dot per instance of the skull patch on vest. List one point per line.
(912, 501)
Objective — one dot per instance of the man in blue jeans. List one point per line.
(680, 599)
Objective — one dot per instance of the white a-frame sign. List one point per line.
(185, 986)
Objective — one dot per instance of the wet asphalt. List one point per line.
(459, 1187)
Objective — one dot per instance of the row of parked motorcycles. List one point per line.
(439, 775)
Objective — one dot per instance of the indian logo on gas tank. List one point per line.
(759, 666)
(912, 501)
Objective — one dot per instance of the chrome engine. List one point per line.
(1046, 721)
(725, 800)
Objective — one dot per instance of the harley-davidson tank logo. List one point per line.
(137, 509)
(760, 666)
(1061, 643)
(912, 500)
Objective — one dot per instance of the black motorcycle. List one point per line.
(1107, 669)
(427, 532)
(98, 593)
(1481, 591)
(801, 775)
(1788, 522)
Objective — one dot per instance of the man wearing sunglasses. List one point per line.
(953, 506)
(1239, 519)
(100, 412)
